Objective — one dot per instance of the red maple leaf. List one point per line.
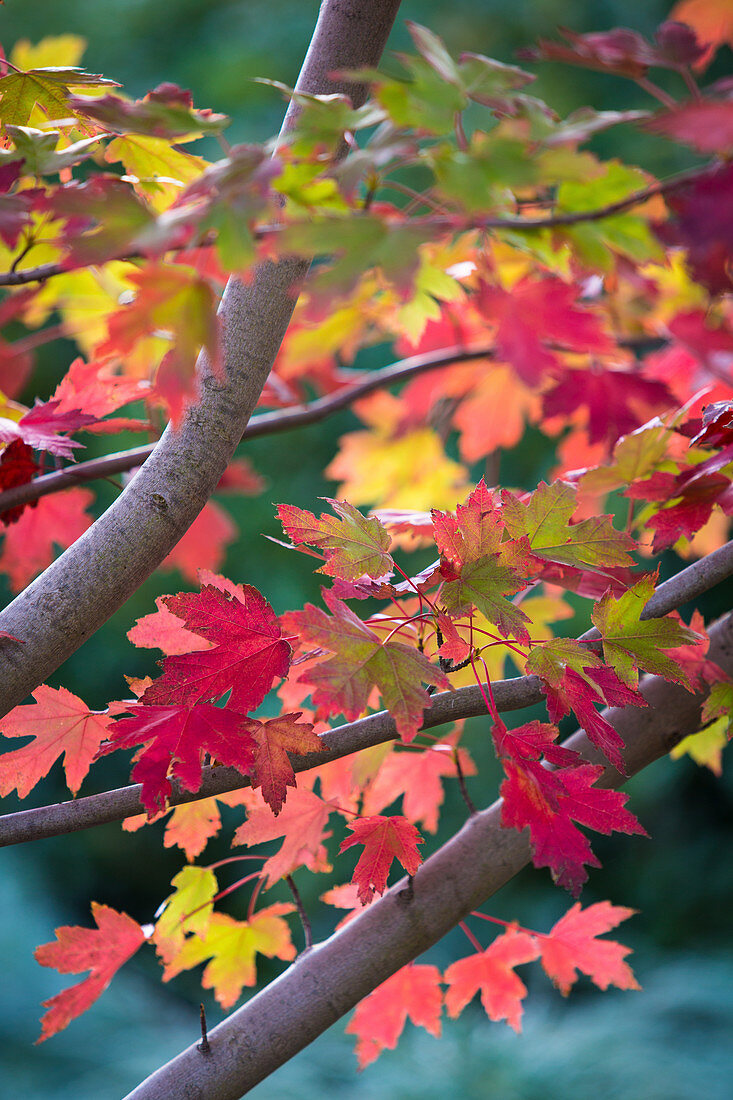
(102, 950)
(575, 678)
(249, 651)
(417, 777)
(617, 401)
(571, 946)
(535, 313)
(175, 739)
(17, 467)
(549, 803)
(274, 739)
(163, 630)
(28, 547)
(95, 388)
(492, 972)
(702, 223)
(40, 428)
(622, 51)
(59, 723)
(412, 993)
(384, 839)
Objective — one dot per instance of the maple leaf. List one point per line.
(544, 519)
(187, 910)
(412, 993)
(492, 972)
(175, 739)
(362, 661)
(59, 723)
(232, 946)
(622, 51)
(94, 387)
(248, 650)
(702, 223)
(617, 401)
(478, 568)
(630, 643)
(39, 428)
(537, 312)
(706, 746)
(166, 112)
(712, 20)
(274, 739)
(571, 945)
(17, 467)
(103, 950)
(174, 300)
(56, 520)
(355, 546)
(48, 87)
(706, 125)
(575, 678)
(549, 802)
(384, 839)
(302, 823)
(163, 630)
(532, 741)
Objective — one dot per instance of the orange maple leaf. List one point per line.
(492, 972)
(302, 823)
(102, 950)
(412, 993)
(58, 722)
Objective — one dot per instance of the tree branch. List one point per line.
(278, 420)
(323, 984)
(374, 729)
(95, 576)
(661, 187)
(268, 423)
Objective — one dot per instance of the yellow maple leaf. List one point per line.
(407, 471)
(232, 946)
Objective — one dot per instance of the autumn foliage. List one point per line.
(520, 280)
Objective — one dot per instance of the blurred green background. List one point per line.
(671, 1041)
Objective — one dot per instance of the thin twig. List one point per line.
(307, 929)
(203, 1046)
(374, 729)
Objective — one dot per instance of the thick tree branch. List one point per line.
(450, 223)
(523, 691)
(327, 981)
(76, 594)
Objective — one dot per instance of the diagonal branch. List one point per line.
(327, 981)
(451, 223)
(374, 729)
(80, 591)
(279, 420)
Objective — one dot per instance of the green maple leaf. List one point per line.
(362, 661)
(630, 644)
(545, 520)
(49, 88)
(354, 545)
(486, 583)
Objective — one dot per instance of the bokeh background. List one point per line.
(672, 1041)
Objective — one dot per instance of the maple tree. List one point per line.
(521, 280)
